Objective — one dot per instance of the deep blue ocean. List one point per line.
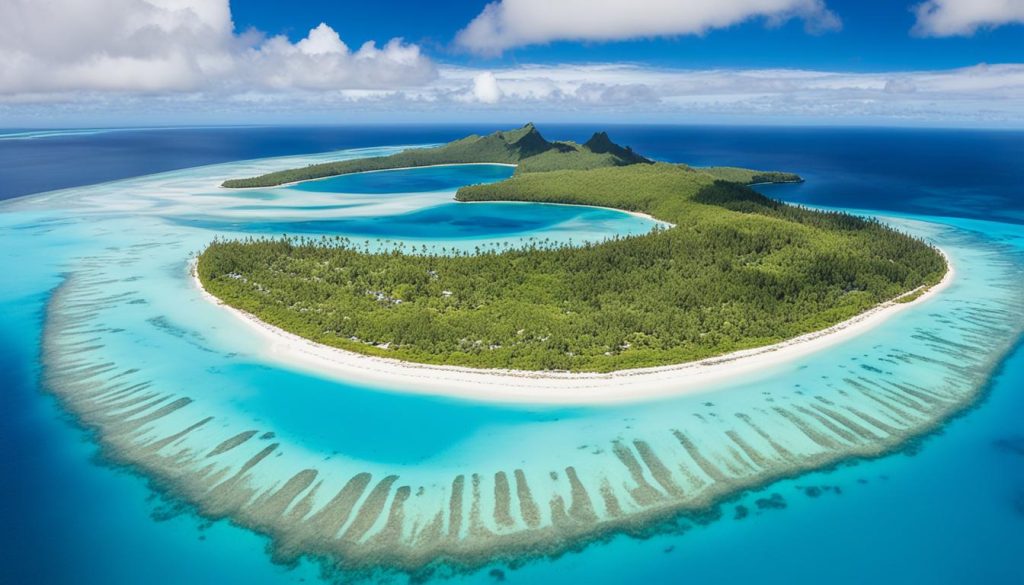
(966, 173)
(951, 510)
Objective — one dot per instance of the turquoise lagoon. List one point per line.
(345, 481)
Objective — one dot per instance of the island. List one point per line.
(731, 270)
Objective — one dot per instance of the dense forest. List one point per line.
(524, 147)
(736, 270)
(749, 177)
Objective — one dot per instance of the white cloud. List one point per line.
(945, 18)
(322, 62)
(69, 62)
(485, 88)
(52, 46)
(322, 40)
(975, 96)
(512, 23)
(991, 95)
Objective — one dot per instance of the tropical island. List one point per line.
(734, 270)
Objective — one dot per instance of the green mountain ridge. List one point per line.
(601, 143)
(524, 146)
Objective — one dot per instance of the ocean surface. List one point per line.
(947, 509)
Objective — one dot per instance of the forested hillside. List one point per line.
(749, 177)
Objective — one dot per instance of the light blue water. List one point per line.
(409, 180)
(368, 425)
(928, 517)
(447, 221)
(366, 206)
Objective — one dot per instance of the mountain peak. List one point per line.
(601, 144)
(520, 133)
(527, 140)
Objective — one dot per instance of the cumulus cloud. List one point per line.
(322, 40)
(322, 62)
(51, 46)
(945, 18)
(512, 23)
(485, 88)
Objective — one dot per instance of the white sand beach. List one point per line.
(564, 388)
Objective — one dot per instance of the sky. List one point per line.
(166, 62)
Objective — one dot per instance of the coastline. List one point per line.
(638, 214)
(557, 388)
(290, 183)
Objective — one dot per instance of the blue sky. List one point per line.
(873, 62)
(875, 36)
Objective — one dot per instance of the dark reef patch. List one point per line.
(773, 502)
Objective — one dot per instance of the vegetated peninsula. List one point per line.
(735, 270)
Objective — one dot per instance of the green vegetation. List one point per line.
(749, 177)
(912, 295)
(524, 147)
(737, 270)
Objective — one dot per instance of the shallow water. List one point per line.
(126, 263)
(409, 180)
(448, 221)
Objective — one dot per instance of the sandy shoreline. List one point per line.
(638, 214)
(554, 387)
